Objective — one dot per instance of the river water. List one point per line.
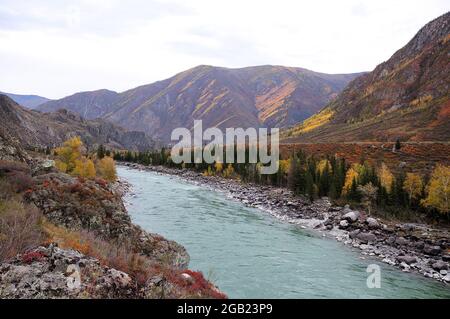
(249, 254)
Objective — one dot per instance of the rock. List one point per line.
(56, 273)
(443, 272)
(366, 237)
(351, 216)
(405, 267)
(354, 233)
(447, 278)
(432, 250)
(329, 227)
(439, 265)
(401, 241)
(407, 259)
(343, 224)
(372, 223)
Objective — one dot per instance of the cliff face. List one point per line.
(35, 129)
(406, 97)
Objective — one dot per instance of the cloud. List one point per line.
(55, 48)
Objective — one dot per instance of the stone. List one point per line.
(366, 237)
(372, 223)
(343, 224)
(447, 278)
(351, 216)
(354, 233)
(405, 267)
(401, 241)
(439, 265)
(407, 259)
(432, 250)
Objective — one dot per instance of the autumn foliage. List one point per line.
(70, 159)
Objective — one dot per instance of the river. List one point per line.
(249, 254)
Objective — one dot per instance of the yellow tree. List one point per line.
(386, 177)
(218, 167)
(68, 154)
(352, 174)
(323, 164)
(84, 168)
(413, 185)
(229, 171)
(107, 169)
(438, 189)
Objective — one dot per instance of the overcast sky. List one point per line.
(55, 48)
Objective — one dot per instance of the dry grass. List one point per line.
(20, 228)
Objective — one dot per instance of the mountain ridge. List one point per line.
(274, 96)
(35, 129)
(406, 97)
(30, 101)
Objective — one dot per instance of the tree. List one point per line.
(68, 154)
(398, 145)
(107, 169)
(293, 179)
(218, 166)
(386, 178)
(351, 177)
(413, 185)
(84, 168)
(100, 151)
(369, 195)
(438, 190)
(229, 171)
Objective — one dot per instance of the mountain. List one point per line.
(406, 97)
(90, 105)
(29, 101)
(273, 96)
(35, 129)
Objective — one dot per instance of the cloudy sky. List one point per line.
(55, 48)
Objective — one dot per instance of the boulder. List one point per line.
(447, 278)
(354, 233)
(372, 223)
(407, 259)
(366, 237)
(401, 241)
(343, 224)
(439, 265)
(432, 250)
(351, 216)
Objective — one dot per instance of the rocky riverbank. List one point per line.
(411, 247)
(84, 244)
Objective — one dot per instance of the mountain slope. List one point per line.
(29, 101)
(35, 129)
(272, 96)
(90, 105)
(406, 97)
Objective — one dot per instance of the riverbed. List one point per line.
(249, 254)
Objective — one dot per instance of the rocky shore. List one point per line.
(411, 247)
(87, 247)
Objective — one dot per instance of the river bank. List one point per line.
(411, 247)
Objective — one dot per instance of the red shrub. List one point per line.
(32, 256)
(101, 182)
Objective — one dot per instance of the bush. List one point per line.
(107, 169)
(19, 228)
(20, 181)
